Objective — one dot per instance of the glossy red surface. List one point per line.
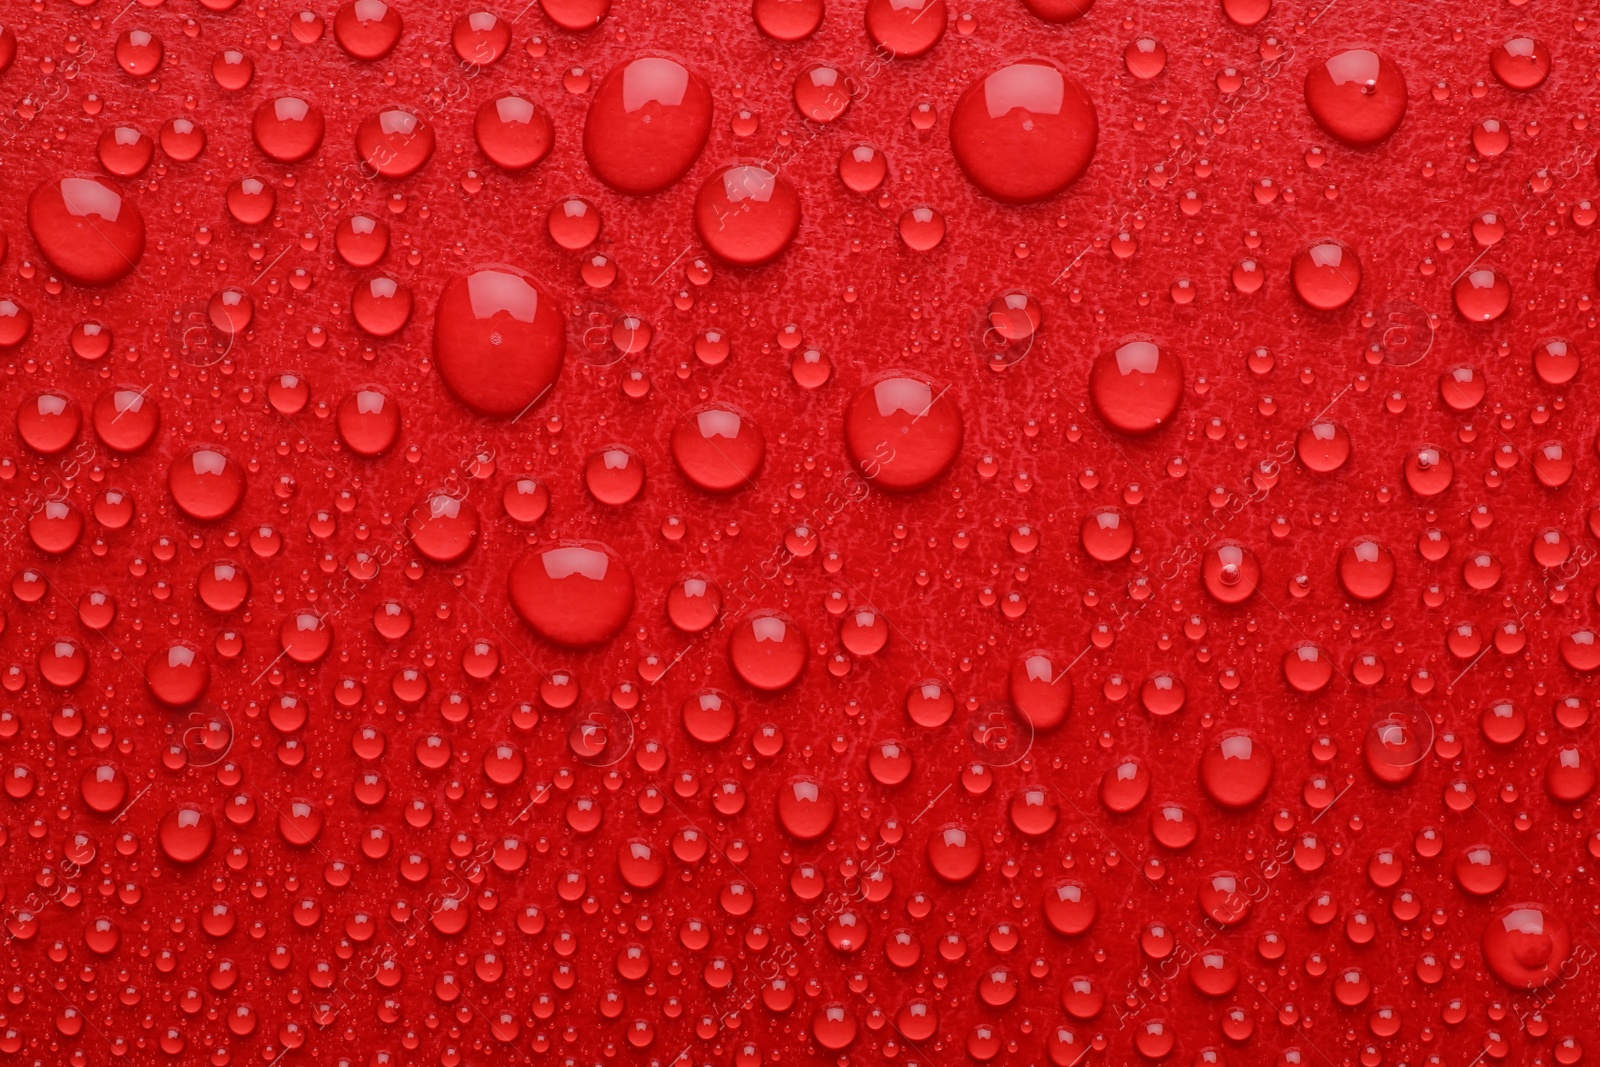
(1035, 533)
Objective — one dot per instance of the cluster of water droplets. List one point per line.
(471, 741)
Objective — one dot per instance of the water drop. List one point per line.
(1366, 569)
(747, 214)
(513, 132)
(367, 29)
(930, 704)
(205, 484)
(1480, 871)
(576, 15)
(499, 341)
(394, 143)
(647, 124)
(1356, 96)
(1428, 470)
(87, 229)
(1246, 13)
(1326, 275)
(955, 853)
(862, 168)
(223, 586)
(288, 129)
(1526, 945)
(693, 603)
(1145, 58)
(480, 38)
(1307, 668)
(1481, 294)
(905, 28)
(443, 527)
(806, 808)
(1323, 446)
(1555, 361)
(369, 421)
(614, 475)
(1236, 769)
(901, 431)
(186, 833)
(182, 139)
(1520, 63)
(1059, 11)
(574, 223)
(250, 201)
(299, 822)
(788, 20)
(1070, 908)
(361, 240)
(822, 92)
(709, 716)
(1040, 689)
(573, 593)
(139, 52)
(48, 422)
(1395, 744)
(718, 447)
(177, 674)
(921, 228)
(768, 651)
(125, 152)
(1106, 534)
(90, 340)
(1024, 132)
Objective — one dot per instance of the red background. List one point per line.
(933, 563)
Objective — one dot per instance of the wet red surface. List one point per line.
(659, 541)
